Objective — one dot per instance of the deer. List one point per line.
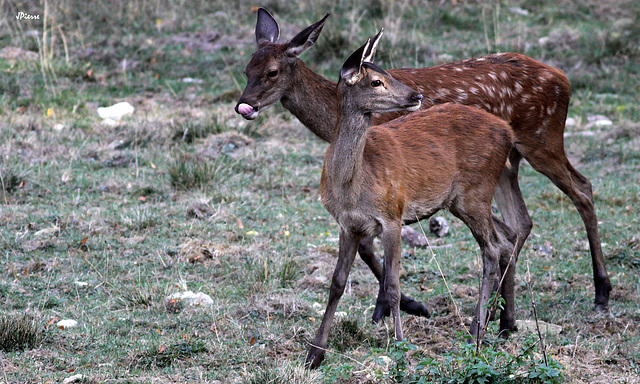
(375, 178)
(531, 96)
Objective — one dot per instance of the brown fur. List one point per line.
(376, 178)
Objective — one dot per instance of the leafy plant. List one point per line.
(464, 365)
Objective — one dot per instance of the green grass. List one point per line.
(101, 224)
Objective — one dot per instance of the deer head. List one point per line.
(270, 68)
(366, 88)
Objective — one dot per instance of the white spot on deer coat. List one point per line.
(518, 87)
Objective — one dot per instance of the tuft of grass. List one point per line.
(19, 332)
(348, 334)
(283, 374)
(188, 131)
(9, 180)
(139, 218)
(159, 356)
(188, 173)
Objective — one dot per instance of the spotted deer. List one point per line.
(375, 178)
(531, 96)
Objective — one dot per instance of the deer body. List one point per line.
(375, 178)
(531, 96)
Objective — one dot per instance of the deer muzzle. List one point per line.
(247, 111)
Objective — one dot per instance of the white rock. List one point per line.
(48, 231)
(192, 80)
(438, 226)
(519, 11)
(340, 315)
(116, 111)
(73, 379)
(109, 122)
(598, 121)
(319, 308)
(67, 323)
(199, 299)
(412, 237)
(529, 326)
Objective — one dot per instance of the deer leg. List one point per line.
(508, 259)
(346, 255)
(391, 243)
(555, 165)
(514, 212)
(511, 203)
(407, 304)
(476, 214)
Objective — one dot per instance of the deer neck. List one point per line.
(312, 99)
(345, 157)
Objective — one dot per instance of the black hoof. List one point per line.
(414, 307)
(380, 312)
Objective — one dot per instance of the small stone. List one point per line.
(439, 226)
(412, 237)
(529, 326)
(73, 379)
(67, 323)
(199, 299)
(116, 111)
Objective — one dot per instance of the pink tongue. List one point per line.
(245, 109)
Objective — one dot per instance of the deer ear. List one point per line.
(370, 52)
(351, 69)
(305, 39)
(267, 29)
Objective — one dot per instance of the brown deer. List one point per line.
(376, 178)
(531, 96)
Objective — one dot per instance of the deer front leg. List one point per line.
(407, 304)
(392, 253)
(346, 254)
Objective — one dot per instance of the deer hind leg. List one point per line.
(508, 259)
(516, 229)
(478, 217)
(346, 255)
(553, 163)
(382, 309)
(511, 203)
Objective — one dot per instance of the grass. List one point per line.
(102, 223)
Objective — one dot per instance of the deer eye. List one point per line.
(376, 83)
(272, 74)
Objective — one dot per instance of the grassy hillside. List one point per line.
(103, 223)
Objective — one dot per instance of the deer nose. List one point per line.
(417, 97)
